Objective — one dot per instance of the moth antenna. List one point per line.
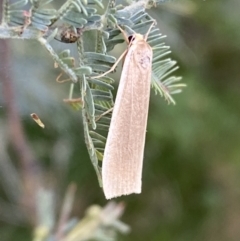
(124, 34)
(149, 30)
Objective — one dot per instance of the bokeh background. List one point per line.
(191, 175)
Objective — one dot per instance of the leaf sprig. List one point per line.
(78, 22)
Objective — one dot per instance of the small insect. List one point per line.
(123, 154)
(37, 120)
(69, 35)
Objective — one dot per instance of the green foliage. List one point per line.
(77, 22)
(191, 161)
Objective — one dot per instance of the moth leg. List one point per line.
(103, 114)
(112, 68)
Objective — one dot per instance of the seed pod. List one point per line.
(37, 120)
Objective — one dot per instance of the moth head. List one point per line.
(135, 37)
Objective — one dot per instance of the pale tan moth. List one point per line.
(123, 155)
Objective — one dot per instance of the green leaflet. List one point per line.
(18, 4)
(100, 83)
(100, 57)
(83, 70)
(97, 136)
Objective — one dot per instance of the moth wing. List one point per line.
(123, 155)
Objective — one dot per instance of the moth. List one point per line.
(124, 149)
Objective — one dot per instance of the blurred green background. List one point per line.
(191, 175)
